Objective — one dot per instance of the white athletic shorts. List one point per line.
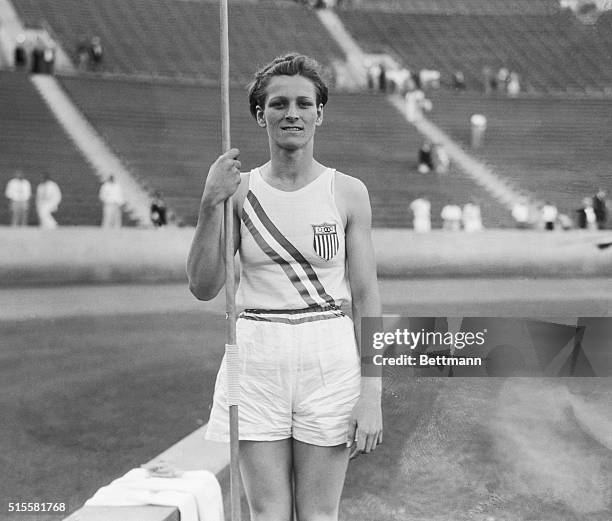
(299, 378)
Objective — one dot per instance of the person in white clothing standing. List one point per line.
(549, 214)
(112, 199)
(303, 232)
(48, 198)
(421, 210)
(520, 213)
(451, 217)
(19, 191)
(471, 218)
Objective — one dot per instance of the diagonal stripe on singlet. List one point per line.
(287, 268)
(291, 249)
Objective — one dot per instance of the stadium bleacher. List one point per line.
(559, 150)
(181, 38)
(169, 134)
(159, 112)
(33, 142)
(552, 52)
(497, 7)
(550, 48)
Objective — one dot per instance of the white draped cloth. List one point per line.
(196, 493)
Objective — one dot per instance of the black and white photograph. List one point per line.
(306, 260)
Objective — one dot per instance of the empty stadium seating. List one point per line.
(181, 38)
(558, 149)
(168, 134)
(33, 141)
(549, 48)
(497, 7)
(168, 131)
(552, 52)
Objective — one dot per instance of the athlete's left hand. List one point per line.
(365, 429)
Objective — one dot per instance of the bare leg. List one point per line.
(14, 214)
(266, 472)
(319, 478)
(106, 216)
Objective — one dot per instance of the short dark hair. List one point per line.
(292, 64)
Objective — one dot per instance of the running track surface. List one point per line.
(435, 297)
(455, 449)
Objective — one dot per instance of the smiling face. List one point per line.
(290, 113)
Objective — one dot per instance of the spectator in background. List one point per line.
(48, 60)
(429, 79)
(416, 79)
(397, 80)
(158, 210)
(514, 85)
(112, 199)
(421, 215)
(581, 214)
(451, 217)
(549, 214)
(600, 207)
(441, 160)
(565, 222)
(382, 79)
(416, 103)
(503, 75)
(410, 85)
(520, 213)
(458, 81)
(38, 57)
(96, 53)
(586, 219)
(425, 164)
(478, 125)
(373, 71)
(471, 218)
(48, 198)
(489, 80)
(20, 56)
(82, 51)
(19, 191)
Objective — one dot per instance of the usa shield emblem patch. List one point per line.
(326, 240)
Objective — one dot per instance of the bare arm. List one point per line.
(366, 424)
(206, 261)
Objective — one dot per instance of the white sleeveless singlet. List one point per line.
(292, 248)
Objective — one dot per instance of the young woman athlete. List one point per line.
(303, 234)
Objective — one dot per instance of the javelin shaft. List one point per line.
(227, 207)
(230, 304)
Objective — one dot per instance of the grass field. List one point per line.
(86, 397)
(472, 449)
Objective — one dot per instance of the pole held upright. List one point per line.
(231, 348)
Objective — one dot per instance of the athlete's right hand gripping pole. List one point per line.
(231, 349)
